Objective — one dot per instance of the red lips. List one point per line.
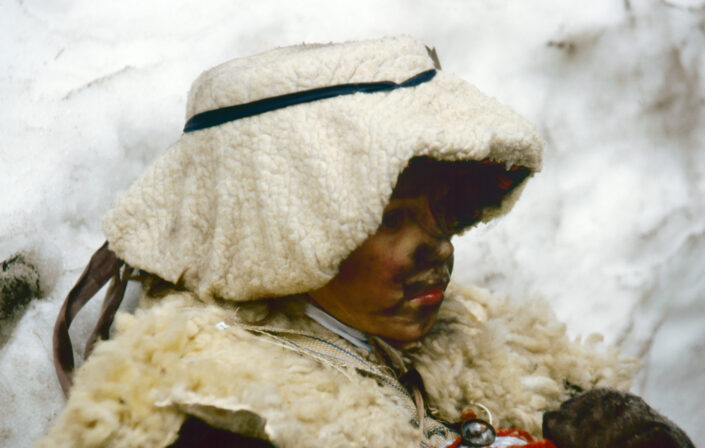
(428, 298)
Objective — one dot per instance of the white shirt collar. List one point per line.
(352, 335)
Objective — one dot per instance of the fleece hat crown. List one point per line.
(269, 203)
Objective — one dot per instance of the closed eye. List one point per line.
(393, 219)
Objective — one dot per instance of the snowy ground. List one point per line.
(612, 232)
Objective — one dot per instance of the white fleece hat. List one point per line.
(269, 204)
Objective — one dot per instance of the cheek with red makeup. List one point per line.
(373, 273)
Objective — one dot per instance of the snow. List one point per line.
(612, 232)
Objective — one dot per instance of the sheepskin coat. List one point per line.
(178, 356)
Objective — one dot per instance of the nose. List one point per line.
(443, 249)
(435, 251)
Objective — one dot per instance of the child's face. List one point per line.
(392, 285)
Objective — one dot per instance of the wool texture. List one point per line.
(179, 357)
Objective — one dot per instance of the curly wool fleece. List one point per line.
(175, 359)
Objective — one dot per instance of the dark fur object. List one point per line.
(605, 418)
(19, 284)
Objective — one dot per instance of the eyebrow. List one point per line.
(406, 202)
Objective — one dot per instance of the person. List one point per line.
(295, 251)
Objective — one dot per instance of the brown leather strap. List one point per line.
(104, 264)
(111, 303)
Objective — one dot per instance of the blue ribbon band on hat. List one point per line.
(217, 117)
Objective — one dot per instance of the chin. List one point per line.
(409, 333)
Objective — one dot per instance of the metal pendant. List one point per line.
(477, 433)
